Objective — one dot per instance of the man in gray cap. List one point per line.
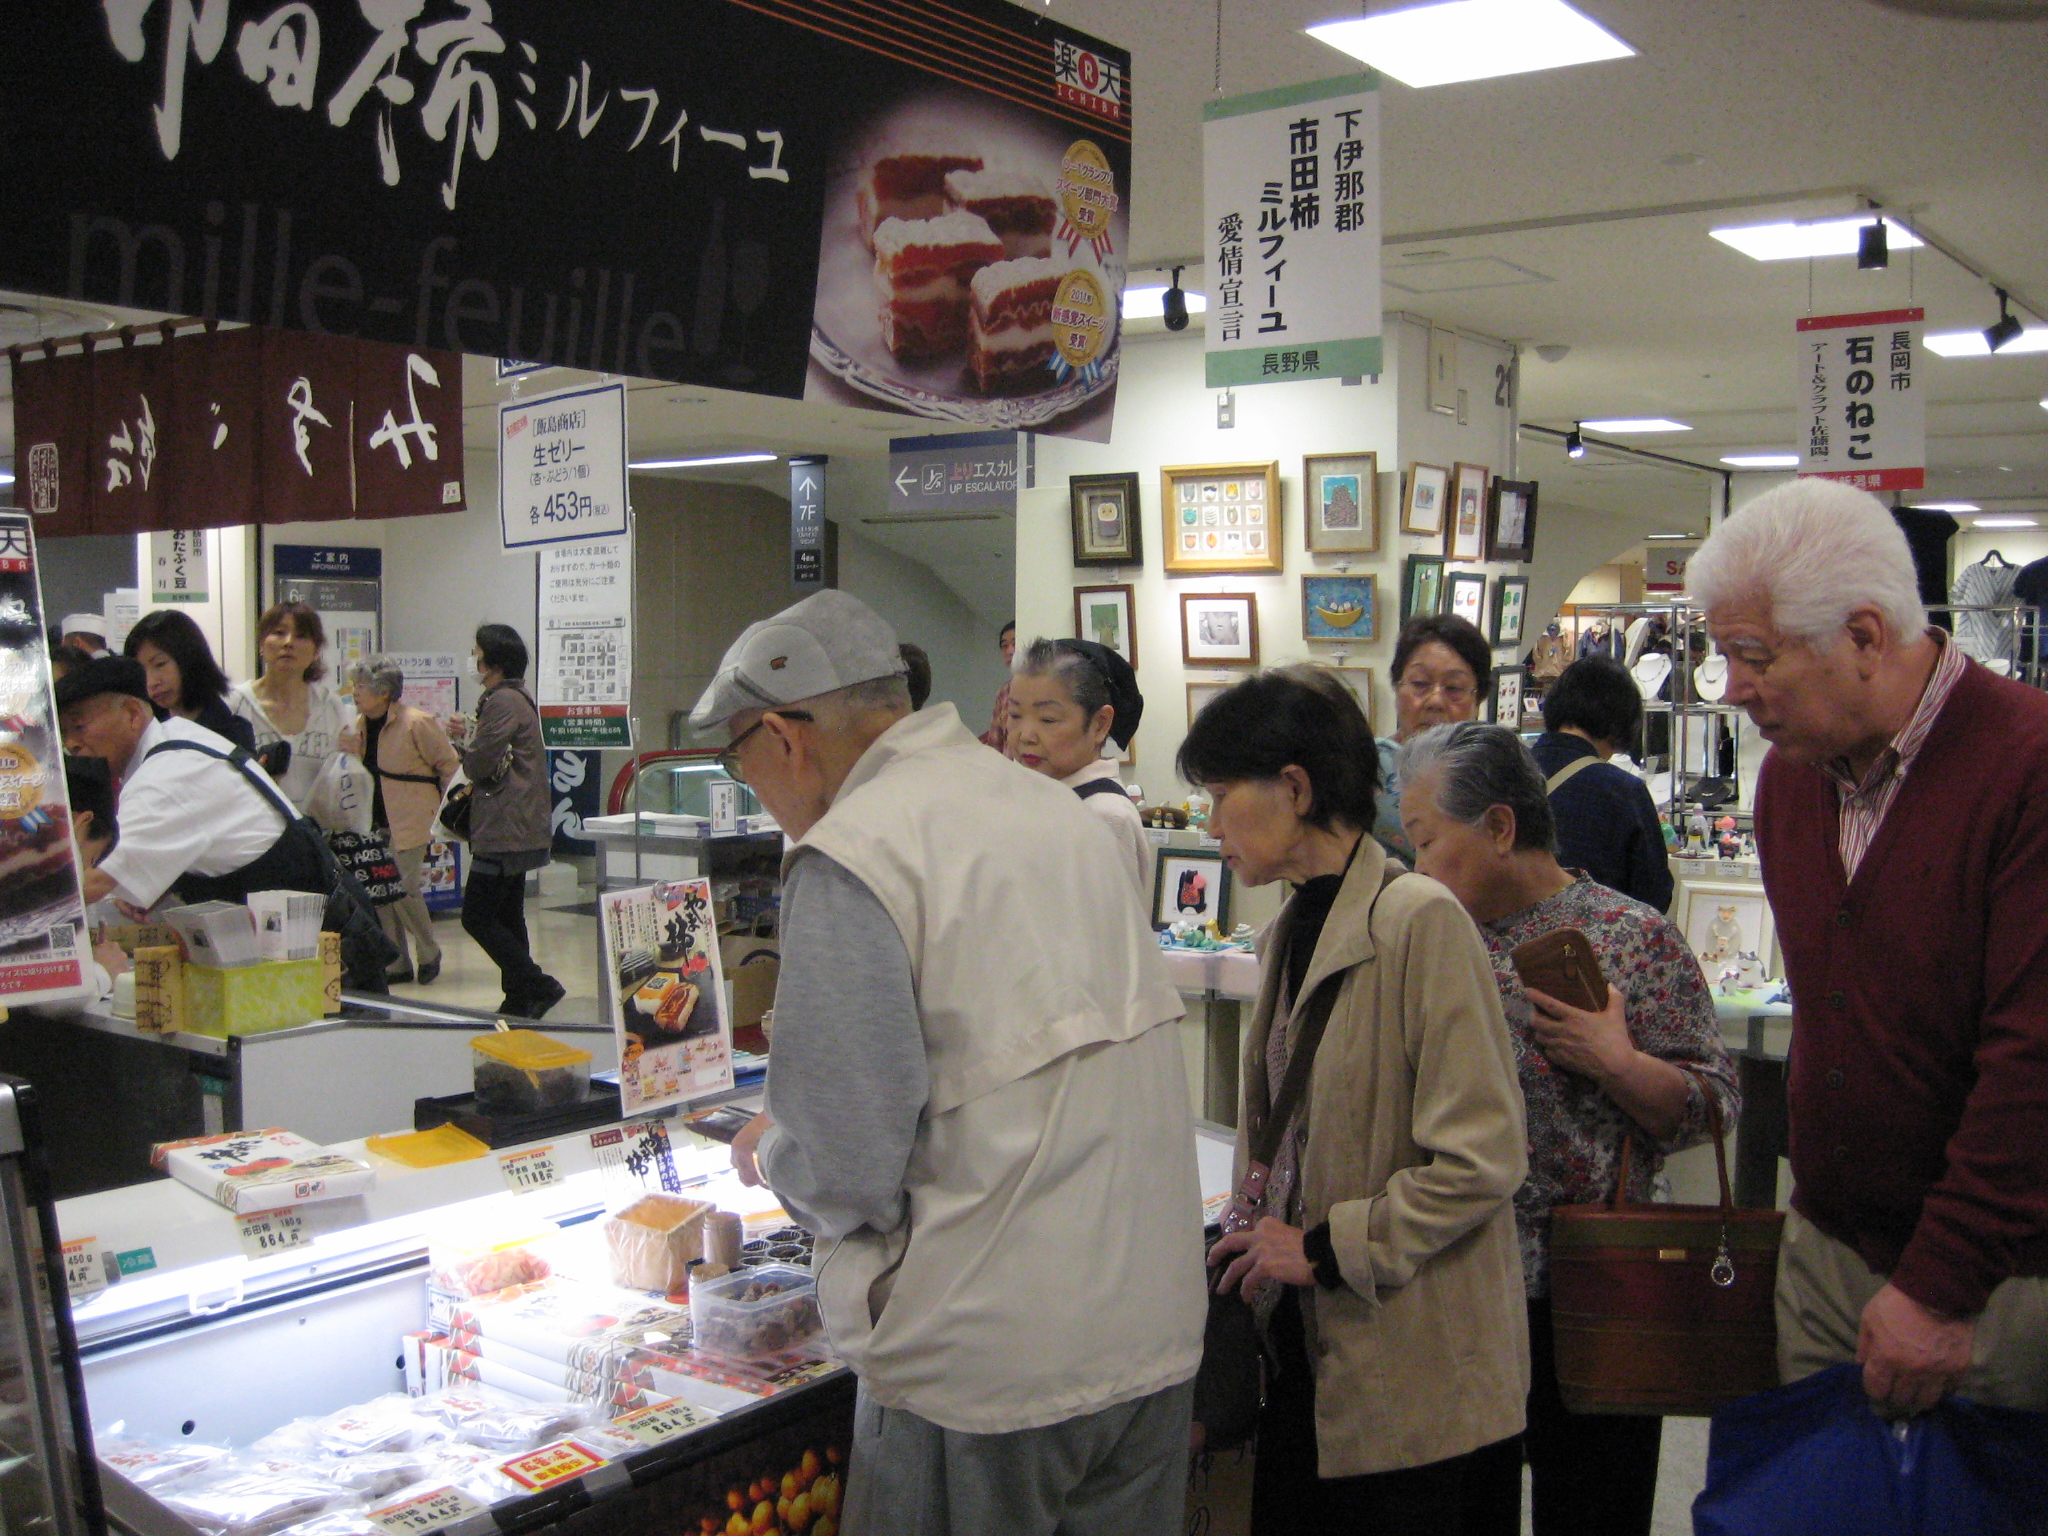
(974, 1101)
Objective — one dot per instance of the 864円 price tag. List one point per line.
(266, 1232)
(663, 1422)
(428, 1512)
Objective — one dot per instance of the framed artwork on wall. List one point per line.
(1106, 519)
(1724, 920)
(1357, 682)
(1221, 517)
(1465, 530)
(1505, 701)
(1199, 695)
(1191, 885)
(1510, 609)
(1511, 520)
(1103, 614)
(1467, 597)
(1340, 503)
(1219, 629)
(1422, 508)
(1422, 585)
(1340, 607)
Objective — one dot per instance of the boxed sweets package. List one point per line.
(261, 1170)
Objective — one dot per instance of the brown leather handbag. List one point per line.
(1664, 1308)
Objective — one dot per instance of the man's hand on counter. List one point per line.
(112, 956)
(743, 1150)
(97, 886)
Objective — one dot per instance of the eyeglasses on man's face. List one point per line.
(729, 759)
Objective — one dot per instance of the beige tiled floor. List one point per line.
(565, 944)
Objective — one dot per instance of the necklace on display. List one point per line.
(1650, 671)
(1710, 678)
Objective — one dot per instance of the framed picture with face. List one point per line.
(1465, 530)
(1105, 512)
(1468, 597)
(1219, 629)
(1221, 517)
(1191, 885)
(1340, 607)
(1103, 614)
(1505, 707)
(1340, 502)
(1510, 609)
(1511, 520)
(1422, 508)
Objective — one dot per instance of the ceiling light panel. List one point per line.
(1473, 40)
(1944, 506)
(1818, 237)
(1150, 303)
(704, 463)
(1973, 344)
(1627, 424)
(2005, 522)
(1761, 460)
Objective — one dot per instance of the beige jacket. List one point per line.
(1416, 1146)
(1051, 1265)
(411, 742)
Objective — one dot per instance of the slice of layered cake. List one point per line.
(1010, 326)
(911, 185)
(1017, 204)
(923, 267)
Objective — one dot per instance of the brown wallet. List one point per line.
(1562, 965)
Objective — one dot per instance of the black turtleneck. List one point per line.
(1312, 902)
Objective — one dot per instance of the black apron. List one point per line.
(298, 861)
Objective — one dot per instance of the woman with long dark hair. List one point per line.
(184, 679)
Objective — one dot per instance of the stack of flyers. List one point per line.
(261, 1170)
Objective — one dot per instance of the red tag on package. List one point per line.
(552, 1465)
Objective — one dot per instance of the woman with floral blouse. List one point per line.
(1475, 809)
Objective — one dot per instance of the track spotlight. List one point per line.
(2007, 329)
(1873, 250)
(1173, 305)
(1574, 444)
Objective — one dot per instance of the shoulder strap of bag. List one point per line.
(1262, 1139)
(239, 760)
(1101, 787)
(1559, 779)
(1628, 1140)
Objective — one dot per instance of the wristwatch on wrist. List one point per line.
(1322, 1256)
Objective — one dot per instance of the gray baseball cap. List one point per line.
(827, 642)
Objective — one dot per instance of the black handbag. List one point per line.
(368, 856)
(1230, 1384)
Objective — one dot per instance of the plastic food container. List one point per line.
(481, 1260)
(755, 1312)
(520, 1070)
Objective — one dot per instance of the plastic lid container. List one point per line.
(754, 1313)
(523, 1070)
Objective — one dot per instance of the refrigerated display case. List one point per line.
(45, 1486)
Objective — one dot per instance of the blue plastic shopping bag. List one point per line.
(1813, 1459)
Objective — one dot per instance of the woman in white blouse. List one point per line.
(289, 702)
(1066, 699)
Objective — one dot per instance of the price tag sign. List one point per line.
(551, 1465)
(663, 1422)
(85, 1270)
(530, 1170)
(1156, 836)
(266, 1232)
(428, 1512)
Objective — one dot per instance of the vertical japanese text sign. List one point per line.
(562, 466)
(177, 562)
(1291, 205)
(807, 522)
(586, 644)
(1862, 417)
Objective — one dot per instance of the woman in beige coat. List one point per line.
(1385, 1248)
(411, 763)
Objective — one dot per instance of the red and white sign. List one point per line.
(1666, 566)
(552, 1465)
(1088, 80)
(1862, 412)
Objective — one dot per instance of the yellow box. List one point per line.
(253, 999)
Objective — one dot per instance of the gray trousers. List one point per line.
(1121, 1471)
(409, 913)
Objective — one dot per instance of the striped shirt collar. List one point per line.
(1897, 757)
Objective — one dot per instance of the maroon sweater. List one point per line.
(1919, 1070)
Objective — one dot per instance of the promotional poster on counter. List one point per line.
(910, 206)
(43, 952)
(667, 994)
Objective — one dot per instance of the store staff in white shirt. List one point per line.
(188, 819)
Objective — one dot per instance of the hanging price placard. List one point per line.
(85, 1270)
(529, 1170)
(266, 1232)
(663, 1422)
(429, 1512)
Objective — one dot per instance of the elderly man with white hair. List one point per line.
(975, 1102)
(1902, 820)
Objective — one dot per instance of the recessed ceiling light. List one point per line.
(1654, 537)
(1149, 303)
(704, 463)
(1943, 506)
(1761, 460)
(1636, 424)
(2005, 522)
(1973, 344)
(1473, 40)
(7, 475)
(1821, 237)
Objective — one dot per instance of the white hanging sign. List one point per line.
(1862, 410)
(177, 566)
(562, 466)
(1291, 205)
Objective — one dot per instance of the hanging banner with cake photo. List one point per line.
(42, 914)
(972, 262)
(666, 991)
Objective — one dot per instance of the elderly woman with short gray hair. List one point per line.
(411, 762)
(1476, 809)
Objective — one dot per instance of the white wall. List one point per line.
(967, 669)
